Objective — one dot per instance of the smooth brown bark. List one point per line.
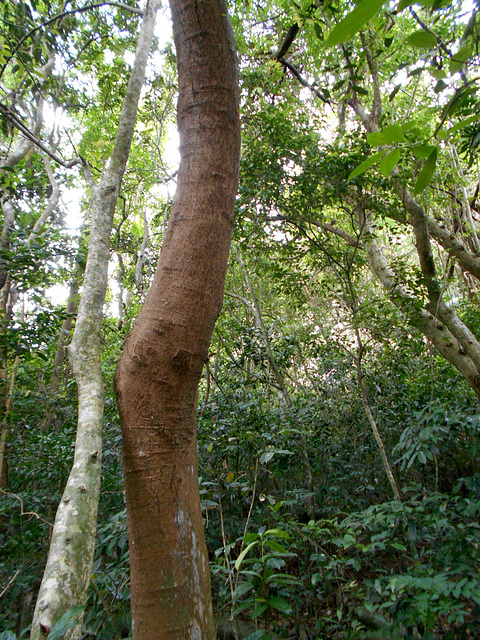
(158, 373)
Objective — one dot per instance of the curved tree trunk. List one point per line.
(437, 332)
(67, 574)
(158, 374)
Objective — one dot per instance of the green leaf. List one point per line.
(390, 161)
(239, 560)
(276, 546)
(242, 589)
(440, 86)
(462, 124)
(244, 605)
(259, 609)
(394, 133)
(460, 58)
(427, 172)
(8, 635)
(422, 40)
(422, 150)
(458, 100)
(376, 139)
(318, 31)
(66, 622)
(278, 533)
(438, 74)
(366, 164)
(280, 604)
(409, 125)
(354, 21)
(360, 90)
(281, 578)
(256, 635)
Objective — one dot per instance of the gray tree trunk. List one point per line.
(67, 574)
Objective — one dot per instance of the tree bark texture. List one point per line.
(158, 373)
(69, 564)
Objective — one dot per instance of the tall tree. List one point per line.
(69, 564)
(158, 373)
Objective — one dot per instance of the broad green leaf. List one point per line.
(427, 172)
(318, 31)
(244, 605)
(460, 58)
(278, 533)
(242, 589)
(463, 124)
(409, 125)
(422, 150)
(366, 164)
(239, 560)
(280, 604)
(439, 74)
(259, 609)
(394, 133)
(422, 40)
(66, 622)
(250, 536)
(376, 139)
(440, 86)
(458, 100)
(360, 90)
(390, 161)
(354, 21)
(276, 546)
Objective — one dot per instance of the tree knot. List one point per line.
(181, 360)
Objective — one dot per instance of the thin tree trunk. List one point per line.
(60, 353)
(371, 419)
(67, 574)
(255, 306)
(437, 332)
(3, 426)
(158, 373)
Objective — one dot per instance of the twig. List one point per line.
(61, 15)
(10, 583)
(25, 513)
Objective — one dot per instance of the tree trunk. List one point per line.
(158, 374)
(368, 412)
(60, 353)
(434, 330)
(67, 574)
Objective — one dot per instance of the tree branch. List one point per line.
(61, 15)
(13, 118)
